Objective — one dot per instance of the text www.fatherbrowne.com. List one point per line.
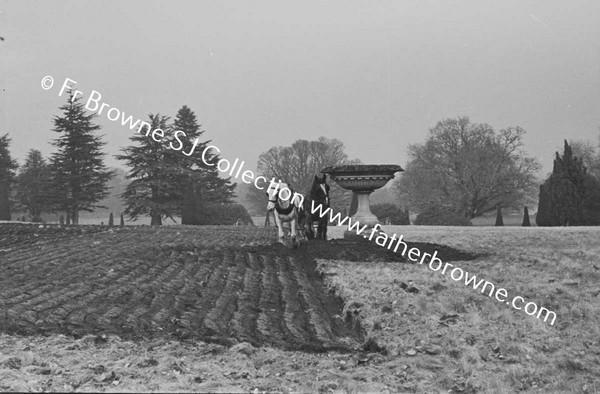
(436, 264)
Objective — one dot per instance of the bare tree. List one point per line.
(299, 163)
(468, 168)
(589, 154)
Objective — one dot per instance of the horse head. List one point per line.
(279, 195)
(320, 190)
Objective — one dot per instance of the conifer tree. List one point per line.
(201, 183)
(155, 174)
(7, 177)
(526, 222)
(79, 176)
(570, 196)
(34, 185)
(499, 220)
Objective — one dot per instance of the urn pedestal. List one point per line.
(363, 179)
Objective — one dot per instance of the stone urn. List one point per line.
(363, 179)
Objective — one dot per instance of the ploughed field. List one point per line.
(438, 334)
(211, 283)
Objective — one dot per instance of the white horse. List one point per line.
(287, 208)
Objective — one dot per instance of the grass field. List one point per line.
(488, 220)
(439, 337)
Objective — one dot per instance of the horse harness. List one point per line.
(283, 211)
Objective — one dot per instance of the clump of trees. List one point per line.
(73, 180)
(438, 216)
(571, 195)
(467, 169)
(391, 212)
(165, 182)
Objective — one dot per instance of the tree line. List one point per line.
(463, 170)
(162, 183)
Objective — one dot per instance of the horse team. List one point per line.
(298, 212)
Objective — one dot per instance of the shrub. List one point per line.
(499, 220)
(526, 222)
(436, 216)
(225, 214)
(396, 215)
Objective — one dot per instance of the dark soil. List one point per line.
(359, 249)
(215, 283)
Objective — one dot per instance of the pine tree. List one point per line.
(526, 222)
(34, 185)
(155, 175)
(111, 220)
(79, 175)
(499, 220)
(7, 177)
(201, 182)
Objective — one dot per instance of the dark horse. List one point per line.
(318, 195)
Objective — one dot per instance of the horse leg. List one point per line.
(320, 228)
(279, 227)
(310, 232)
(324, 233)
(293, 231)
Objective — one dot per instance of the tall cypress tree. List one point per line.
(201, 182)
(155, 174)
(34, 185)
(7, 177)
(79, 175)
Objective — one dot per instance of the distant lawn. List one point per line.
(509, 220)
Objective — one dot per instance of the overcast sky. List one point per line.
(374, 74)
